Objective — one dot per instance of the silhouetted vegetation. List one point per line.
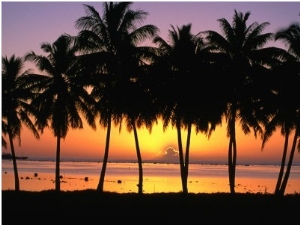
(62, 98)
(121, 60)
(16, 105)
(195, 81)
(244, 58)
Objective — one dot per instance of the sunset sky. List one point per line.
(25, 25)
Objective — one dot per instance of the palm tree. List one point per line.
(16, 108)
(111, 46)
(286, 102)
(246, 61)
(184, 62)
(137, 109)
(63, 98)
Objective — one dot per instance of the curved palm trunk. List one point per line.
(181, 159)
(105, 158)
(282, 166)
(57, 168)
(232, 153)
(17, 181)
(139, 157)
(289, 166)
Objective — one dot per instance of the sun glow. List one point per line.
(159, 144)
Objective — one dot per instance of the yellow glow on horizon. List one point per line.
(90, 144)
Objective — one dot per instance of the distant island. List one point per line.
(9, 156)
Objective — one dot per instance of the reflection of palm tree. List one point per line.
(110, 43)
(63, 96)
(182, 58)
(243, 53)
(16, 109)
(287, 104)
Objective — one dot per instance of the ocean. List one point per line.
(36, 175)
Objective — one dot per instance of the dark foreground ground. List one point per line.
(90, 207)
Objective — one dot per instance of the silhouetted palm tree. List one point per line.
(182, 63)
(287, 102)
(138, 110)
(63, 98)
(244, 56)
(111, 47)
(16, 108)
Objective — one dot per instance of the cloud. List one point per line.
(170, 154)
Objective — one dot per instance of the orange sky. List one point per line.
(89, 144)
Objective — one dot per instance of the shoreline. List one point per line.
(149, 161)
(123, 178)
(152, 184)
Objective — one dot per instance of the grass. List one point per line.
(91, 207)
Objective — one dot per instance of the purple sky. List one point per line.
(25, 25)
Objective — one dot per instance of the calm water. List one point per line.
(123, 177)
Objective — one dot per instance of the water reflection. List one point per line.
(123, 177)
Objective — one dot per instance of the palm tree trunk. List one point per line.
(17, 182)
(232, 152)
(187, 156)
(289, 166)
(181, 159)
(234, 161)
(57, 170)
(105, 158)
(139, 157)
(282, 166)
(230, 166)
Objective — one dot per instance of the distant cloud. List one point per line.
(170, 154)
